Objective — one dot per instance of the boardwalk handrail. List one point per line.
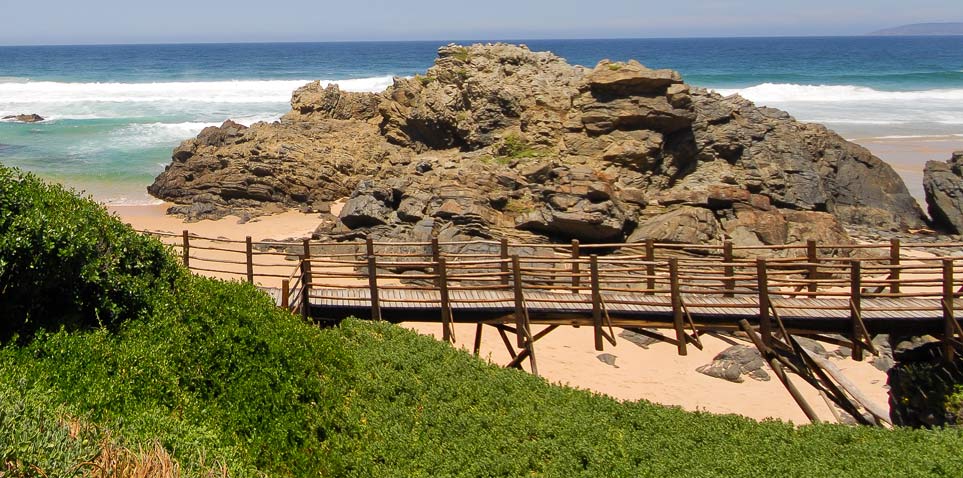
(875, 279)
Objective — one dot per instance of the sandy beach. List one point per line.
(566, 356)
(908, 156)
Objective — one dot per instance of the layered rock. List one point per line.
(497, 140)
(943, 186)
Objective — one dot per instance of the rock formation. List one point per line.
(943, 185)
(25, 118)
(735, 362)
(497, 140)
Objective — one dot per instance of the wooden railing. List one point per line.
(769, 292)
(599, 277)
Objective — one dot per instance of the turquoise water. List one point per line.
(115, 112)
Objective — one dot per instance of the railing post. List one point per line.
(650, 268)
(596, 301)
(186, 248)
(436, 259)
(576, 253)
(856, 303)
(949, 319)
(305, 287)
(503, 249)
(519, 299)
(812, 257)
(373, 279)
(445, 301)
(727, 257)
(249, 253)
(306, 245)
(894, 260)
(675, 295)
(285, 293)
(765, 324)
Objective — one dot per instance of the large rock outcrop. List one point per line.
(496, 140)
(943, 186)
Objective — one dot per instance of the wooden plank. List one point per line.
(855, 299)
(846, 384)
(519, 299)
(596, 301)
(677, 306)
(949, 319)
(765, 327)
(576, 255)
(446, 318)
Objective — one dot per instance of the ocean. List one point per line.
(115, 112)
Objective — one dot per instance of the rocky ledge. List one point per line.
(943, 186)
(498, 140)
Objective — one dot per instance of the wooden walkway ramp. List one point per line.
(843, 294)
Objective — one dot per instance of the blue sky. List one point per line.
(177, 21)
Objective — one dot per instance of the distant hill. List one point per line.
(919, 29)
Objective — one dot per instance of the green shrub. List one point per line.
(515, 147)
(37, 439)
(65, 262)
(214, 372)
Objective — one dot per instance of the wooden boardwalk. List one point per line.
(844, 294)
(853, 290)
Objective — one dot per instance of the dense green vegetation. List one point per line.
(66, 262)
(216, 374)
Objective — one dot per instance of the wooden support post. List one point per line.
(446, 334)
(675, 290)
(856, 305)
(650, 268)
(306, 246)
(519, 300)
(727, 257)
(504, 255)
(894, 254)
(596, 301)
(373, 279)
(479, 328)
(285, 293)
(187, 248)
(812, 257)
(305, 287)
(576, 253)
(765, 324)
(436, 259)
(779, 371)
(949, 320)
(249, 253)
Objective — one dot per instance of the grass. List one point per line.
(461, 54)
(209, 378)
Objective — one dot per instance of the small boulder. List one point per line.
(734, 362)
(25, 118)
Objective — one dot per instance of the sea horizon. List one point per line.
(492, 40)
(115, 112)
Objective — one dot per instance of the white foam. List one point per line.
(247, 91)
(793, 93)
(145, 134)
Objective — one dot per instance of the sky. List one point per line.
(189, 21)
